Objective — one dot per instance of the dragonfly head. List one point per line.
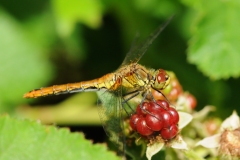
(162, 79)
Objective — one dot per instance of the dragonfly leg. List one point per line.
(133, 94)
(163, 96)
(141, 103)
(125, 101)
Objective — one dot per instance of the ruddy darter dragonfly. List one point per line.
(131, 77)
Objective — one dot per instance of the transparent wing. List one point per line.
(110, 113)
(137, 51)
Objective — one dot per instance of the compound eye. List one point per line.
(162, 76)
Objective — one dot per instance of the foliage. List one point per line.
(24, 139)
(22, 57)
(214, 45)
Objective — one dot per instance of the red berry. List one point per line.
(192, 101)
(142, 127)
(174, 115)
(133, 121)
(153, 106)
(157, 95)
(142, 111)
(163, 104)
(169, 133)
(154, 121)
(167, 119)
(174, 94)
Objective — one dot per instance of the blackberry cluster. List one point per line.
(155, 118)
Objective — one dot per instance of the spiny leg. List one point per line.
(141, 104)
(125, 101)
(163, 96)
(134, 94)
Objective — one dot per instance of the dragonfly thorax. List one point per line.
(161, 79)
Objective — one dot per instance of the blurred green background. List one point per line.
(43, 43)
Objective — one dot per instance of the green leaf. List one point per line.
(24, 63)
(27, 140)
(157, 8)
(214, 47)
(190, 154)
(68, 13)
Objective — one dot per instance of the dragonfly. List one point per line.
(130, 79)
